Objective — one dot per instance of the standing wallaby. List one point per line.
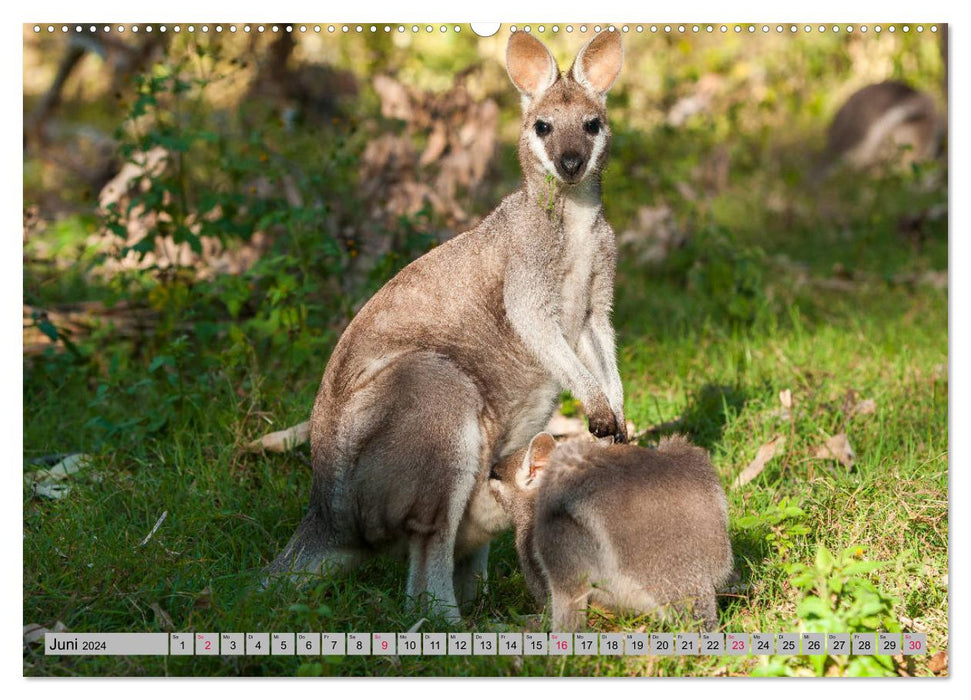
(622, 526)
(461, 358)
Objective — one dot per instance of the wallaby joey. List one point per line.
(622, 526)
(460, 359)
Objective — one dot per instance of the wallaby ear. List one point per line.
(530, 64)
(598, 63)
(538, 454)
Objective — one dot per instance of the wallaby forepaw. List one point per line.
(603, 425)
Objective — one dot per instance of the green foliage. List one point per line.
(225, 179)
(837, 597)
(780, 524)
(729, 275)
(547, 198)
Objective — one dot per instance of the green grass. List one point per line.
(228, 515)
(831, 306)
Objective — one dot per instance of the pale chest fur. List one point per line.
(580, 248)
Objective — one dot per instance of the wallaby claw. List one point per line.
(603, 427)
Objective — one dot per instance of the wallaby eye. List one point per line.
(592, 127)
(543, 128)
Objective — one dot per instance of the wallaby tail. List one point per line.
(310, 552)
(300, 550)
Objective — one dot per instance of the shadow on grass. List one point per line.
(703, 421)
(749, 550)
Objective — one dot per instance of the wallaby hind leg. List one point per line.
(706, 609)
(471, 571)
(569, 609)
(568, 571)
(422, 467)
(431, 553)
(430, 567)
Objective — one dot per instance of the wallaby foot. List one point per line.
(700, 607)
(706, 609)
(471, 572)
(430, 570)
(569, 610)
(308, 566)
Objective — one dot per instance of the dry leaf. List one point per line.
(203, 599)
(762, 457)
(162, 618)
(48, 483)
(560, 426)
(937, 664)
(838, 448)
(281, 440)
(852, 405)
(395, 100)
(912, 624)
(50, 490)
(437, 143)
(68, 466)
(654, 236)
(785, 398)
(34, 633)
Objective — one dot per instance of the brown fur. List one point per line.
(459, 360)
(623, 526)
(879, 120)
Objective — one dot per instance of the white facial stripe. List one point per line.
(599, 143)
(538, 148)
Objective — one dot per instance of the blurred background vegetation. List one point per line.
(204, 213)
(214, 207)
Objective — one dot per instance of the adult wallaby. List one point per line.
(460, 359)
(626, 527)
(881, 123)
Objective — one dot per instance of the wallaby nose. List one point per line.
(570, 164)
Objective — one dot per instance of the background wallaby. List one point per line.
(461, 357)
(880, 120)
(622, 526)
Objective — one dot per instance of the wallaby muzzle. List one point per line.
(570, 166)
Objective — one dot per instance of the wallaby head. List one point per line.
(516, 477)
(620, 525)
(565, 134)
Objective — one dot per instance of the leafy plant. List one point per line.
(729, 274)
(781, 523)
(836, 597)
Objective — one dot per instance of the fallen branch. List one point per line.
(281, 440)
(158, 524)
